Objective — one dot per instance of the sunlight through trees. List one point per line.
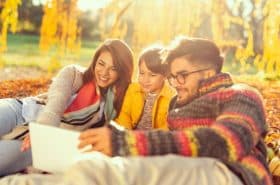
(248, 31)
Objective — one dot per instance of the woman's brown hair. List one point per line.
(123, 61)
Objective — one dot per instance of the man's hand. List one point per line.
(98, 138)
(25, 143)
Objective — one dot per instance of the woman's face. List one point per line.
(149, 81)
(105, 72)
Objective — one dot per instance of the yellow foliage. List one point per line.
(258, 63)
(49, 25)
(153, 21)
(221, 21)
(269, 62)
(2, 63)
(8, 20)
(60, 26)
(271, 37)
(114, 27)
(244, 53)
(54, 64)
(218, 18)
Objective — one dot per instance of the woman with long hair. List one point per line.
(78, 98)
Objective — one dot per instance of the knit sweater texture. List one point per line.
(224, 121)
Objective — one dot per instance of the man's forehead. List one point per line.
(181, 71)
(181, 65)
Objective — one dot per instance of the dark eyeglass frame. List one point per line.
(181, 77)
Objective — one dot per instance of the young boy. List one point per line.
(146, 103)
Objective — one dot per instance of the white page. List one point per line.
(54, 149)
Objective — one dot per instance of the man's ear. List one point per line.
(209, 73)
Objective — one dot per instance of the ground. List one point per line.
(24, 81)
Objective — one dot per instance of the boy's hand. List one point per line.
(26, 144)
(98, 138)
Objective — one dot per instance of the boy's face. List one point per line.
(186, 79)
(149, 81)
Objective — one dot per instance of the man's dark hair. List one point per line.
(197, 50)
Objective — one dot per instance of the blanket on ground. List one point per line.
(160, 170)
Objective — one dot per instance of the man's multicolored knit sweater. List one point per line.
(225, 121)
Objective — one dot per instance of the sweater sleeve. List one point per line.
(63, 86)
(233, 134)
(124, 117)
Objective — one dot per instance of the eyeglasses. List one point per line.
(181, 77)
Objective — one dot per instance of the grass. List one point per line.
(23, 50)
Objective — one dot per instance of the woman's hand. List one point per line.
(26, 144)
(98, 138)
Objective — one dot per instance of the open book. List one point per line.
(55, 149)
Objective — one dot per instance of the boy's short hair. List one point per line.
(152, 58)
(197, 50)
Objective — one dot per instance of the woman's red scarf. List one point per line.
(86, 96)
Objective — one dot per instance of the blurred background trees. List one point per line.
(248, 31)
(8, 20)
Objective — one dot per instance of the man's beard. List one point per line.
(182, 101)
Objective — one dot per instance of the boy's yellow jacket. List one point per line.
(133, 105)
